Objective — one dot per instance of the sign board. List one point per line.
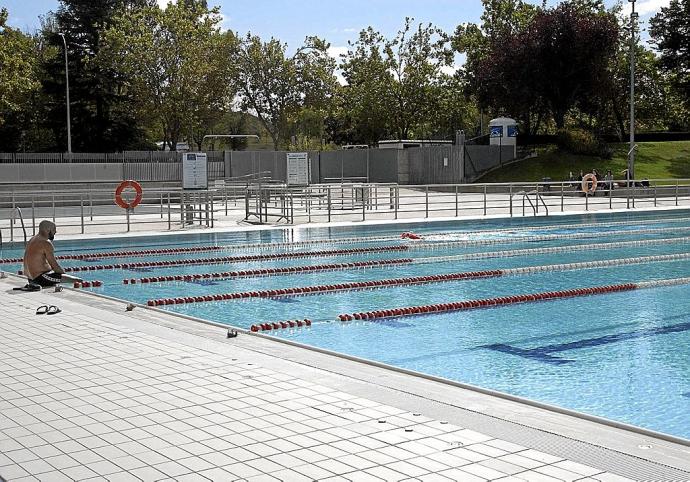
(194, 170)
(297, 169)
(512, 131)
(496, 131)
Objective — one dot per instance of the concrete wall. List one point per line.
(423, 165)
(479, 159)
(74, 172)
(436, 165)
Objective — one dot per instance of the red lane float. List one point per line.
(310, 290)
(87, 284)
(280, 325)
(235, 259)
(473, 304)
(270, 271)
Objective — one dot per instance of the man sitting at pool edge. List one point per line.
(40, 265)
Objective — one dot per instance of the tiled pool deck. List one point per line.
(95, 393)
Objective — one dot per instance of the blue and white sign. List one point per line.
(512, 131)
(496, 131)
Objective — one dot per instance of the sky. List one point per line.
(336, 21)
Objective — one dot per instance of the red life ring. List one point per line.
(124, 185)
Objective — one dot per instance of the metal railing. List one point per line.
(370, 201)
(258, 200)
(534, 205)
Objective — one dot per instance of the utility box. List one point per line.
(503, 131)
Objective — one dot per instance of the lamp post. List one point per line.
(631, 155)
(69, 128)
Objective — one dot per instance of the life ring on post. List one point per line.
(586, 180)
(137, 199)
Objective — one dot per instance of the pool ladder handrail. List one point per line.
(16, 211)
(535, 205)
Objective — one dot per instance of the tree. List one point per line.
(176, 65)
(275, 87)
(101, 110)
(561, 59)
(18, 77)
(502, 20)
(455, 111)
(364, 102)
(670, 31)
(392, 84)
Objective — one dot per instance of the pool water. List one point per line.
(624, 356)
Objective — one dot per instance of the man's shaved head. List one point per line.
(46, 227)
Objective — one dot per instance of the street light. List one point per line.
(69, 129)
(631, 155)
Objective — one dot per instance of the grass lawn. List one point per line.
(654, 160)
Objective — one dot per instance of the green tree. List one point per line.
(392, 84)
(18, 76)
(175, 63)
(501, 21)
(364, 102)
(276, 87)
(101, 109)
(670, 31)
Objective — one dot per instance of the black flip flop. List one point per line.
(42, 310)
(53, 310)
(28, 287)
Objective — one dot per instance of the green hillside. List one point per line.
(654, 160)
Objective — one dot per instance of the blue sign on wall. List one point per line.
(512, 131)
(496, 131)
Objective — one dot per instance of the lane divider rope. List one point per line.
(352, 240)
(235, 259)
(416, 280)
(280, 325)
(428, 245)
(271, 271)
(482, 303)
(552, 249)
(437, 259)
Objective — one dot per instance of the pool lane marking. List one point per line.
(544, 353)
(411, 281)
(506, 300)
(357, 240)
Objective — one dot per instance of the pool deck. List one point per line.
(98, 393)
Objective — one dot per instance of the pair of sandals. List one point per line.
(48, 310)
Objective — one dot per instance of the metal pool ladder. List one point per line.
(16, 211)
(535, 205)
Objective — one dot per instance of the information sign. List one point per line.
(194, 170)
(297, 168)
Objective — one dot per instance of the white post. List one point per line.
(69, 127)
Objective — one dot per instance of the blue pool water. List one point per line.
(624, 356)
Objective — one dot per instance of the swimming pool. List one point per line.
(622, 355)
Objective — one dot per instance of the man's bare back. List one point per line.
(40, 265)
(39, 257)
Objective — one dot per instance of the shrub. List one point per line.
(579, 141)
